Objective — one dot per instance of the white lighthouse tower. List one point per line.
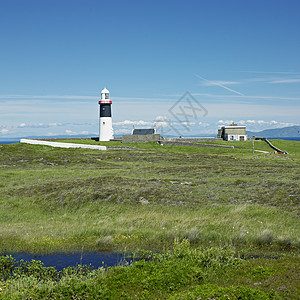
(106, 129)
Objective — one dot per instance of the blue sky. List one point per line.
(239, 60)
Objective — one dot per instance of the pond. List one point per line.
(63, 260)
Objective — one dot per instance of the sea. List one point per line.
(9, 142)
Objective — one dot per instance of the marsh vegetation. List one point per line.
(64, 200)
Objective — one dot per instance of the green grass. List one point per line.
(292, 147)
(181, 272)
(90, 197)
(62, 200)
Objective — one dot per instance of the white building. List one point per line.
(233, 132)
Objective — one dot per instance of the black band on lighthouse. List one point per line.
(105, 109)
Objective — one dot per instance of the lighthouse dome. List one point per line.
(104, 91)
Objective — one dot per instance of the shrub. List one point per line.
(266, 237)
(192, 234)
(284, 242)
(211, 291)
(7, 266)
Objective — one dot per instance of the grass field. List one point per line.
(62, 200)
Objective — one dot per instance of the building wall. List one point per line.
(220, 131)
(193, 140)
(233, 133)
(235, 137)
(189, 144)
(235, 130)
(106, 129)
(140, 138)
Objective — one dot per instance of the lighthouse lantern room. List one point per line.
(106, 132)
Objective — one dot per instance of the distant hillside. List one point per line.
(285, 132)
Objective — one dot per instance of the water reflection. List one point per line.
(62, 260)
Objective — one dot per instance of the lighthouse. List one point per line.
(106, 130)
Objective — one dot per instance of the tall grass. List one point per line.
(179, 272)
(60, 199)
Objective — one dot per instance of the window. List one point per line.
(106, 95)
(103, 123)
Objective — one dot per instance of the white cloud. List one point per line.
(37, 125)
(121, 131)
(161, 118)
(162, 124)
(70, 132)
(187, 123)
(265, 124)
(84, 132)
(254, 97)
(203, 124)
(55, 124)
(4, 131)
(287, 124)
(219, 82)
(227, 122)
(129, 122)
(291, 80)
(249, 122)
(261, 122)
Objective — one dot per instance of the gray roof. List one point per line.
(143, 131)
